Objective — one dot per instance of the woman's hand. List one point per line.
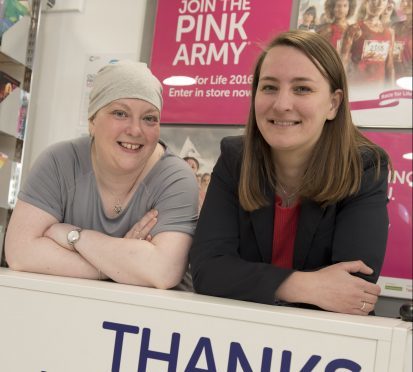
(332, 288)
(142, 228)
(340, 291)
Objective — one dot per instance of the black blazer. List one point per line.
(232, 248)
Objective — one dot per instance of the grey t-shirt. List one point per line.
(62, 183)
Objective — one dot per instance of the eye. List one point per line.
(302, 90)
(119, 114)
(151, 119)
(268, 88)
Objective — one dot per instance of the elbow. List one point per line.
(170, 277)
(167, 282)
(14, 255)
(13, 261)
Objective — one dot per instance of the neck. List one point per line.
(342, 22)
(373, 19)
(289, 170)
(118, 185)
(116, 188)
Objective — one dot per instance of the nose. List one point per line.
(282, 100)
(134, 128)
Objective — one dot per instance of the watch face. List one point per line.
(73, 236)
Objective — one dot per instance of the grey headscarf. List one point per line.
(124, 79)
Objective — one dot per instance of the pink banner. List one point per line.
(398, 261)
(389, 98)
(216, 42)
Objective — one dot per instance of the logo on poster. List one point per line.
(198, 27)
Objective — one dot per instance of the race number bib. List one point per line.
(375, 51)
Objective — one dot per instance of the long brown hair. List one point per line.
(335, 167)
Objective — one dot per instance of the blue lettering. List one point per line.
(237, 354)
(311, 363)
(120, 329)
(266, 360)
(236, 358)
(145, 353)
(336, 364)
(285, 361)
(204, 344)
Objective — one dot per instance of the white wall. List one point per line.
(65, 39)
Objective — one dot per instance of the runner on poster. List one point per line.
(374, 40)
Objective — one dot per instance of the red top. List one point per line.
(337, 32)
(369, 53)
(285, 228)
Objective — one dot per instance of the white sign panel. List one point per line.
(56, 324)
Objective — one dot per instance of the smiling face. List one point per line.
(387, 12)
(375, 7)
(293, 101)
(406, 8)
(308, 18)
(126, 132)
(341, 8)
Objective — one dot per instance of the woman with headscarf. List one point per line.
(117, 204)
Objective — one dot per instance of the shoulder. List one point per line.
(70, 154)
(232, 145)
(69, 148)
(324, 28)
(171, 170)
(231, 151)
(371, 158)
(169, 159)
(353, 29)
(229, 162)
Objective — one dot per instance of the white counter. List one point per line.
(56, 324)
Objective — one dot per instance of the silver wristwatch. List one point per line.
(73, 237)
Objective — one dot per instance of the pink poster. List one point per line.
(215, 42)
(398, 261)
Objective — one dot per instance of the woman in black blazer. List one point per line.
(296, 210)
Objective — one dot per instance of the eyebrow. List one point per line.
(296, 79)
(127, 107)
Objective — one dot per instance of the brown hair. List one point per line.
(335, 167)
(330, 4)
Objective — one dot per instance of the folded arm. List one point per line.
(36, 242)
(27, 249)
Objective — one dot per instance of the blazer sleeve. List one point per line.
(362, 221)
(216, 264)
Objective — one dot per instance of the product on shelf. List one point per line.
(7, 84)
(10, 12)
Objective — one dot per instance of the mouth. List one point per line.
(284, 123)
(130, 146)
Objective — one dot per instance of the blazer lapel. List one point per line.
(263, 224)
(310, 216)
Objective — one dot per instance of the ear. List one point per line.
(336, 99)
(92, 127)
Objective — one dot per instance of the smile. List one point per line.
(130, 146)
(284, 123)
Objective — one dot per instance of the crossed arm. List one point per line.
(36, 242)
